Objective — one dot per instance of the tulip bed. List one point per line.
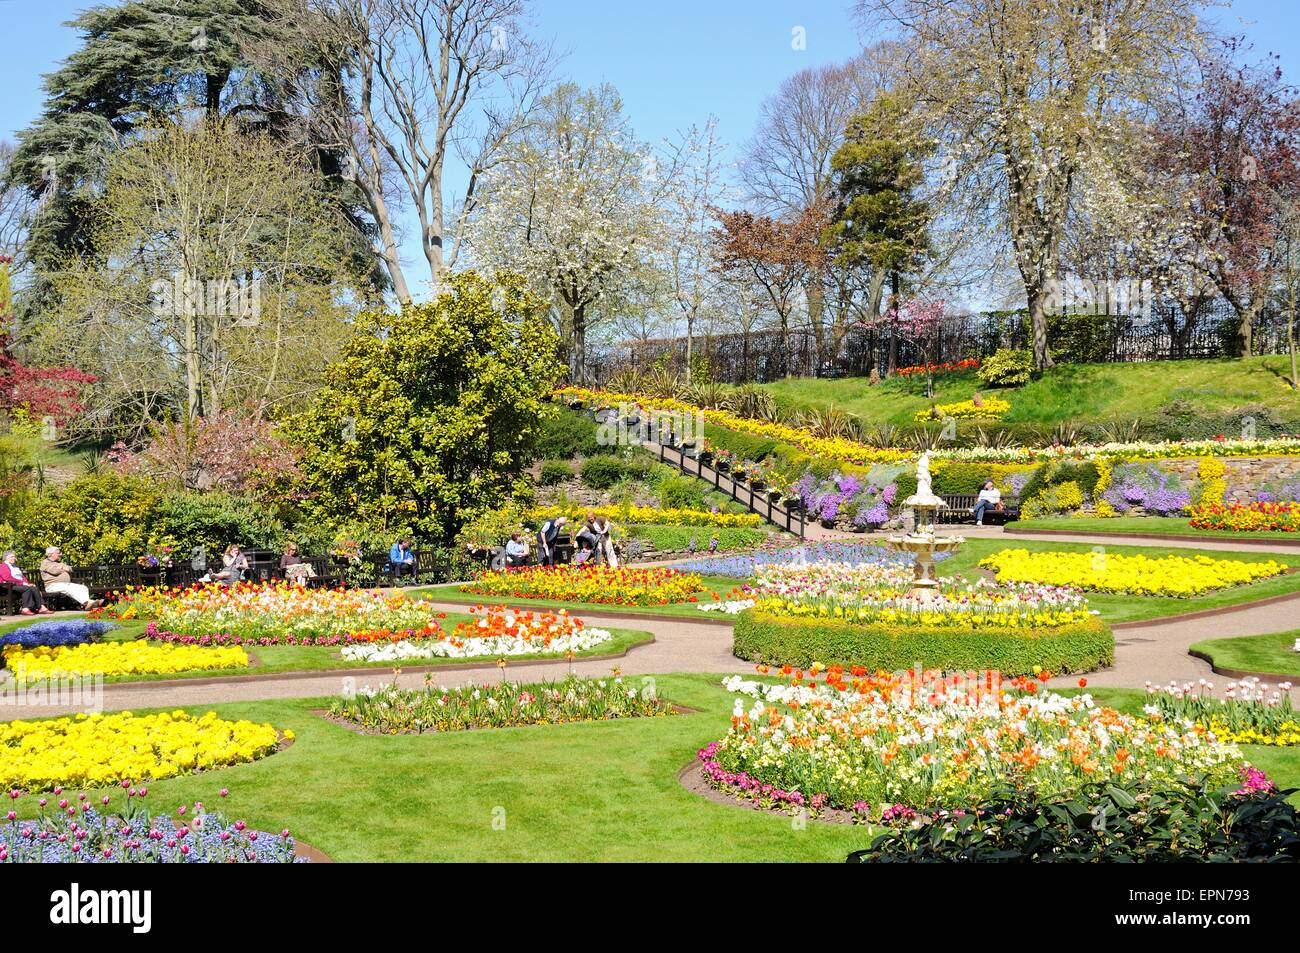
(71, 831)
(1250, 712)
(1179, 576)
(599, 585)
(95, 750)
(275, 611)
(886, 744)
(501, 632)
(118, 658)
(391, 710)
(1249, 518)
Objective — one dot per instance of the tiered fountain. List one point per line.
(922, 542)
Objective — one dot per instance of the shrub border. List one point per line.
(778, 640)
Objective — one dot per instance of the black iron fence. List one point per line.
(1164, 332)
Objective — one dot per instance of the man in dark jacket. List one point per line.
(546, 538)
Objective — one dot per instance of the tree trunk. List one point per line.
(816, 317)
(578, 352)
(895, 283)
(1290, 338)
(690, 341)
(1038, 329)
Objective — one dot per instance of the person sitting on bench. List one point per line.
(401, 560)
(546, 537)
(296, 570)
(56, 575)
(516, 551)
(32, 603)
(990, 498)
(233, 566)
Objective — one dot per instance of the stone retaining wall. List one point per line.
(1245, 476)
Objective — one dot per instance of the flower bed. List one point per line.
(1180, 576)
(95, 750)
(648, 515)
(884, 745)
(55, 632)
(989, 408)
(276, 611)
(743, 565)
(391, 710)
(1247, 518)
(1250, 713)
(500, 633)
(591, 584)
(118, 658)
(847, 451)
(74, 832)
(947, 367)
(779, 639)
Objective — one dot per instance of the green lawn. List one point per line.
(597, 791)
(1146, 526)
(1077, 393)
(1273, 653)
(592, 791)
(712, 584)
(274, 659)
(1126, 608)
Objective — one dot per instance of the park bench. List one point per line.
(960, 506)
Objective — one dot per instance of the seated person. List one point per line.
(516, 551)
(547, 537)
(233, 566)
(56, 576)
(294, 568)
(401, 559)
(32, 603)
(587, 538)
(989, 498)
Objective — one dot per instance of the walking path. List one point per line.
(1152, 651)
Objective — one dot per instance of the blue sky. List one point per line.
(675, 62)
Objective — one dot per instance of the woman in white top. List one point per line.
(989, 497)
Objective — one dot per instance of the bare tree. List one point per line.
(15, 205)
(404, 85)
(1034, 97)
(695, 160)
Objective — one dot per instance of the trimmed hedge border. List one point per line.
(780, 640)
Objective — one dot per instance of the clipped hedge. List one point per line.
(780, 640)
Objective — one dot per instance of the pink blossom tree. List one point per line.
(917, 321)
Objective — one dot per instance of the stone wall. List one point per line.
(1245, 476)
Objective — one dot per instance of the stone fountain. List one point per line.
(922, 542)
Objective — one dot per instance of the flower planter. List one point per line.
(722, 466)
(793, 503)
(757, 484)
(774, 496)
(704, 456)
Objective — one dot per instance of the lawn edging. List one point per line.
(1241, 673)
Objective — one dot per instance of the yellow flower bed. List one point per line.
(837, 448)
(118, 658)
(1138, 575)
(96, 750)
(992, 408)
(649, 515)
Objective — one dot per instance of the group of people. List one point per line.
(594, 539)
(56, 577)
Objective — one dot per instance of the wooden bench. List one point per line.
(960, 506)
